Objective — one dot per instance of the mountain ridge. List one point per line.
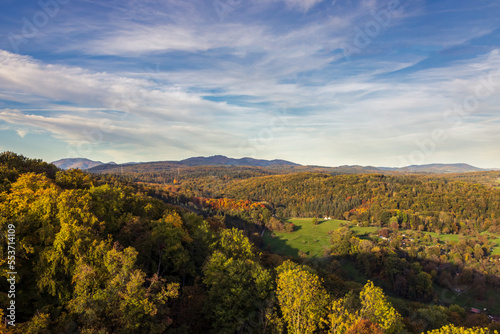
(221, 160)
(79, 163)
(437, 168)
(225, 161)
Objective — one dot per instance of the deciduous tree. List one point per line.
(301, 297)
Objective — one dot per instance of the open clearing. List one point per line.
(308, 238)
(313, 239)
(496, 240)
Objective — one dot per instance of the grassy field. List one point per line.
(495, 239)
(312, 239)
(496, 250)
(445, 237)
(360, 230)
(457, 238)
(309, 238)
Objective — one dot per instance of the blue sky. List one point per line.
(384, 83)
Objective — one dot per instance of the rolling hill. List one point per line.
(441, 168)
(225, 161)
(216, 160)
(80, 163)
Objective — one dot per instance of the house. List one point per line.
(475, 310)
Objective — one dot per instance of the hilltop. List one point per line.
(79, 163)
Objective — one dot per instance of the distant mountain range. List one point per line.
(220, 160)
(225, 161)
(216, 160)
(80, 163)
(437, 168)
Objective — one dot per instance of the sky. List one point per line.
(316, 82)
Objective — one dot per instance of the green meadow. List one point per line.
(307, 237)
(314, 239)
(445, 237)
(495, 239)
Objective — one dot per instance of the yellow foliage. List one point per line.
(301, 297)
(339, 319)
(374, 306)
(451, 329)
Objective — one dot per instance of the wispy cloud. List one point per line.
(55, 83)
(301, 5)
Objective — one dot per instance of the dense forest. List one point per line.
(414, 202)
(107, 254)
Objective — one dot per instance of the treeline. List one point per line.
(197, 181)
(488, 178)
(410, 201)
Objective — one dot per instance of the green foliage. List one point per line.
(77, 228)
(202, 238)
(423, 286)
(232, 243)
(39, 324)
(169, 239)
(112, 209)
(19, 164)
(343, 242)
(238, 286)
(73, 179)
(277, 225)
(432, 317)
(110, 294)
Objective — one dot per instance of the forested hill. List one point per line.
(225, 161)
(79, 163)
(416, 202)
(438, 168)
